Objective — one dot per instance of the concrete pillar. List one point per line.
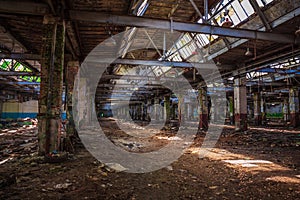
(181, 114)
(1, 108)
(213, 114)
(240, 103)
(71, 71)
(285, 110)
(203, 109)
(135, 112)
(125, 112)
(294, 106)
(156, 108)
(50, 99)
(144, 111)
(130, 112)
(257, 109)
(167, 108)
(231, 109)
(172, 111)
(263, 109)
(188, 111)
(149, 110)
(161, 114)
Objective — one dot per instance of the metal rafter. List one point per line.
(20, 56)
(197, 10)
(155, 63)
(180, 26)
(10, 73)
(274, 24)
(260, 14)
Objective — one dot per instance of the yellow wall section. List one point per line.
(25, 107)
(30, 107)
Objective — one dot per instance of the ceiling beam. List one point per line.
(10, 73)
(23, 7)
(5, 31)
(179, 26)
(117, 101)
(146, 78)
(71, 33)
(20, 56)
(154, 63)
(129, 86)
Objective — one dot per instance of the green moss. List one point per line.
(274, 115)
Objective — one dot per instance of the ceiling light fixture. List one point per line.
(248, 52)
(297, 32)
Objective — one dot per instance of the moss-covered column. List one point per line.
(50, 100)
(203, 109)
(167, 108)
(285, 110)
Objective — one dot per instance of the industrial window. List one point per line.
(234, 11)
(263, 3)
(142, 9)
(12, 65)
(226, 13)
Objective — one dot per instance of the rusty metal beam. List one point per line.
(10, 73)
(23, 7)
(20, 56)
(207, 66)
(129, 86)
(145, 78)
(8, 33)
(197, 10)
(179, 26)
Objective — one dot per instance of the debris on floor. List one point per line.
(241, 164)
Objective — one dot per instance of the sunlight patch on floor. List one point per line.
(284, 179)
(173, 138)
(275, 130)
(239, 161)
(247, 163)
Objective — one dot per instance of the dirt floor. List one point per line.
(262, 163)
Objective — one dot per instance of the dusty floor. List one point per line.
(262, 163)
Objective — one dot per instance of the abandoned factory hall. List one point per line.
(150, 99)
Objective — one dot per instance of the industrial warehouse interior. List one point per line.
(149, 99)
